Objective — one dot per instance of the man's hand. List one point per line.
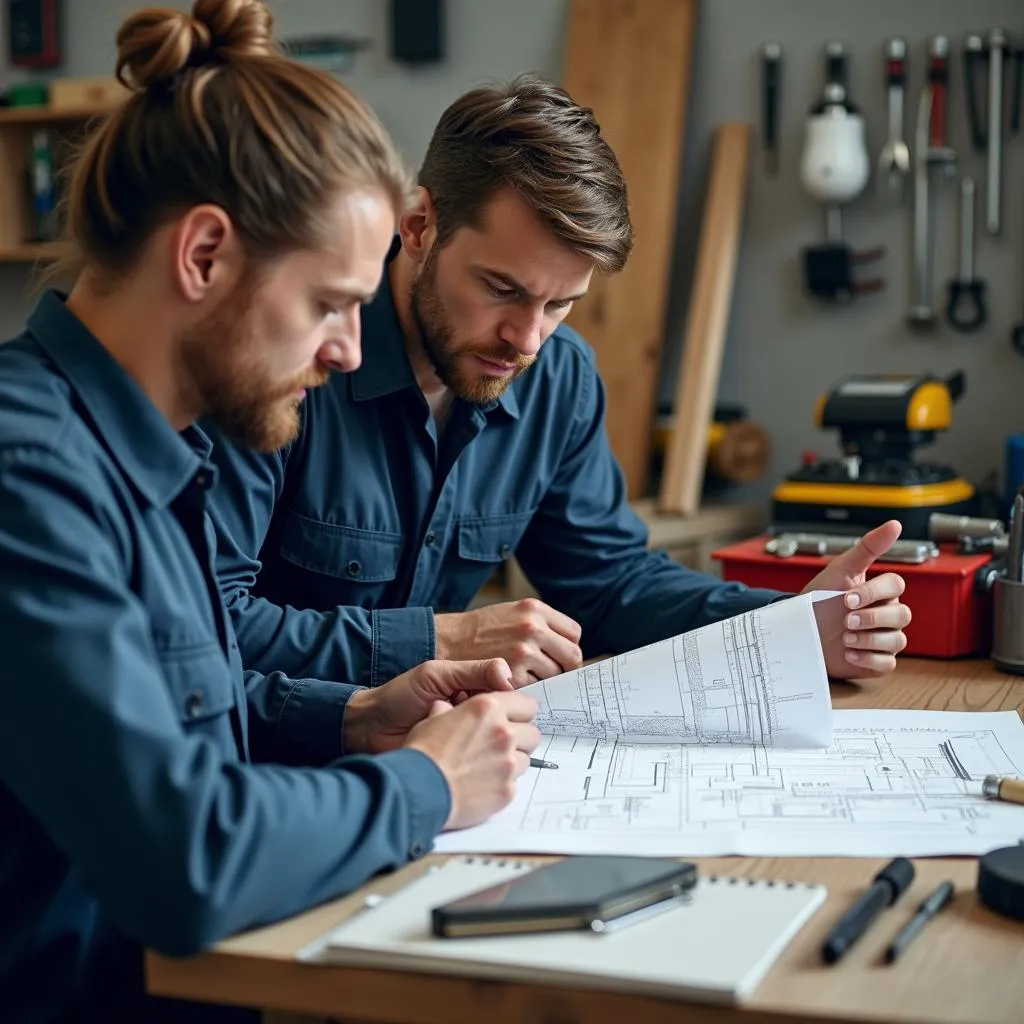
(862, 633)
(481, 747)
(536, 641)
(380, 719)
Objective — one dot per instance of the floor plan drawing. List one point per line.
(892, 782)
(757, 678)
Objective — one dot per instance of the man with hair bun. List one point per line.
(474, 430)
(228, 221)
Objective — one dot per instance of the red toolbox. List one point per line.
(951, 617)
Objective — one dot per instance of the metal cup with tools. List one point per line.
(1008, 599)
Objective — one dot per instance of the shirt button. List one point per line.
(353, 568)
(194, 704)
(202, 480)
(506, 550)
(431, 539)
(417, 849)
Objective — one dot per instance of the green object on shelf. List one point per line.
(29, 94)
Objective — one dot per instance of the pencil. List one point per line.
(536, 762)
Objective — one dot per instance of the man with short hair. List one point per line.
(475, 429)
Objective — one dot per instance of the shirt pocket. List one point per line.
(350, 554)
(198, 677)
(493, 539)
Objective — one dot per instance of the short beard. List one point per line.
(236, 391)
(435, 336)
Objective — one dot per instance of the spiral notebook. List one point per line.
(715, 947)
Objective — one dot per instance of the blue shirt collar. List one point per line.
(385, 367)
(157, 460)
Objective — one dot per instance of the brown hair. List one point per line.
(530, 136)
(220, 115)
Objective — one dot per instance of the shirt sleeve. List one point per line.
(586, 550)
(296, 721)
(348, 644)
(180, 841)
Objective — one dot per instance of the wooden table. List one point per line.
(968, 966)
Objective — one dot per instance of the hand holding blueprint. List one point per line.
(758, 678)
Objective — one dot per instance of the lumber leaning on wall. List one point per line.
(707, 321)
(629, 61)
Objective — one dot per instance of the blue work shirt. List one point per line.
(151, 793)
(335, 552)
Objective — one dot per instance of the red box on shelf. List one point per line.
(950, 617)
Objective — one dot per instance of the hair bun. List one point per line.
(153, 45)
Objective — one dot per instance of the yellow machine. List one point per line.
(881, 420)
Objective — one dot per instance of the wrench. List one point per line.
(966, 307)
(771, 71)
(894, 159)
(930, 151)
(994, 192)
(988, 137)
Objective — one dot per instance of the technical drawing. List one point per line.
(754, 678)
(892, 782)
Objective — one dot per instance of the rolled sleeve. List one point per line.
(402, 639)
(314, 711)
(429, 796)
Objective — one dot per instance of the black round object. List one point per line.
(1001, 881)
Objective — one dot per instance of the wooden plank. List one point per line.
(707, 321)
(15, 196)
(629, 61)
(29, 252)
(48, 115)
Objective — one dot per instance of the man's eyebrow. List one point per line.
(511, 282)
(348, 294)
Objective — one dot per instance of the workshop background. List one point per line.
(783, 348)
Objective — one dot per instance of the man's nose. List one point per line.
(523, 330)
(343, 350)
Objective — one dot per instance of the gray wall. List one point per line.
(782, 349)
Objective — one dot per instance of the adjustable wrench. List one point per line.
(930, 151)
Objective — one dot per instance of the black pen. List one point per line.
(887, 887)
(536, 762)
(931, 906)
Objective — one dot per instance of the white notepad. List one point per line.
(716, 947)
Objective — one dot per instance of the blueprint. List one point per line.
(758, 677)
(890, 783)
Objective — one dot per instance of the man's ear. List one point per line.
(207, 254)
(418, 226)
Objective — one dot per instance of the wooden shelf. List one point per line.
(44, 115)
(29, 252)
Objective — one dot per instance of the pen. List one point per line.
(536, 762)
(996, 788)
(888, 885)
(928, 909)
